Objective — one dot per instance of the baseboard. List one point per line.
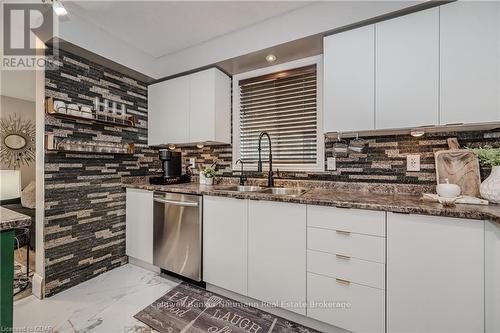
(143, 264)
(37, 286)
(303, 320)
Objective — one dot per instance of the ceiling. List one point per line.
(160, 28)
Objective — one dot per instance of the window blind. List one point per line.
(284, 104)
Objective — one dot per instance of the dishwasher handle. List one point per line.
(175, 202)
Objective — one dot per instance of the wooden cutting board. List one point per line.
(459, 166)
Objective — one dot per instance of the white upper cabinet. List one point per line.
(190, 109)
(470, 62)
(407, 70)
(210, 108)
(349, 80)
(168, 111)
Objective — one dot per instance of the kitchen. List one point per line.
(338, 176)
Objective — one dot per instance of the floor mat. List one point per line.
(190, 309)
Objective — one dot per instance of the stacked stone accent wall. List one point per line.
(84, 202)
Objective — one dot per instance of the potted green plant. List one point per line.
(209, 174)
(490, 188)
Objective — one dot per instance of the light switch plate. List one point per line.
(331, 164)
(413, 163)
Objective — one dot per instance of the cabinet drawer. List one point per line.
(354, 220)
(368, 273)
(350, 306)
(365, 247)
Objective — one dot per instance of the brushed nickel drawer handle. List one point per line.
(342, 232)
(344, 282)
(340, 256)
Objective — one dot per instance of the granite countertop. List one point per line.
(338, 197)
(10, 219)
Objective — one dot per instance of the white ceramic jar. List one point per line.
(490, 188)
(447, 190)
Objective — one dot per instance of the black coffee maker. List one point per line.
(171, 164)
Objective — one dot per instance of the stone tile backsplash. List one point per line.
(383, 159)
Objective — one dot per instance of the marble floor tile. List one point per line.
(106, 303)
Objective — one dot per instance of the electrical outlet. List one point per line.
(331, 164)
(413, 163)
(192, 162)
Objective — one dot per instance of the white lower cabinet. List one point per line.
(225, 243)
(492, 277)
(139, 224)
(351, 306)
(277, 254)
(435, 274)
(346, 268)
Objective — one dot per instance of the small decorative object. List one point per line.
(203, 179)
(105, 112)
(447, 190)
(18, 141)
(490, 188)
(209, 174)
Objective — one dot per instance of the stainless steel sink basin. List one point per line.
(244, 188)
(289, 191)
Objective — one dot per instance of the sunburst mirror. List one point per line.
(18, 141)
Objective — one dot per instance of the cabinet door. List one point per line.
(492, 277)
(435, 274)
(202, 106)
(470, 62)
(277, 254)
(407, 70)
(168, 111)
(349, 80)
(139, 224)
(225, 243)
(210, 106)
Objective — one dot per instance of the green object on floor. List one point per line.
(6, 279)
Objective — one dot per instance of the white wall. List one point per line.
(26, 111)
(76, 30)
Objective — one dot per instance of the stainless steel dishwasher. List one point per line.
(177, 233)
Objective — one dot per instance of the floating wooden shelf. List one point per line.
(88, 115)
(53, 143)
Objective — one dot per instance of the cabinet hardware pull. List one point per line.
(339, 256)
(347, 233)
(344, 282)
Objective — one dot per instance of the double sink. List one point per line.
(287, 191)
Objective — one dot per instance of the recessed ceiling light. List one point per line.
(59, 8)
(271, 58)
(200, 145)
(417, 133)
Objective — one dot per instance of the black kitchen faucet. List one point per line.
(270, 179)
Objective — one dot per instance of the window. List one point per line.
(283, 100)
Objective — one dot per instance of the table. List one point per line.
(9, 221)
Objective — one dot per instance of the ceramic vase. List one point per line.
(490, 188)
(209, 181)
